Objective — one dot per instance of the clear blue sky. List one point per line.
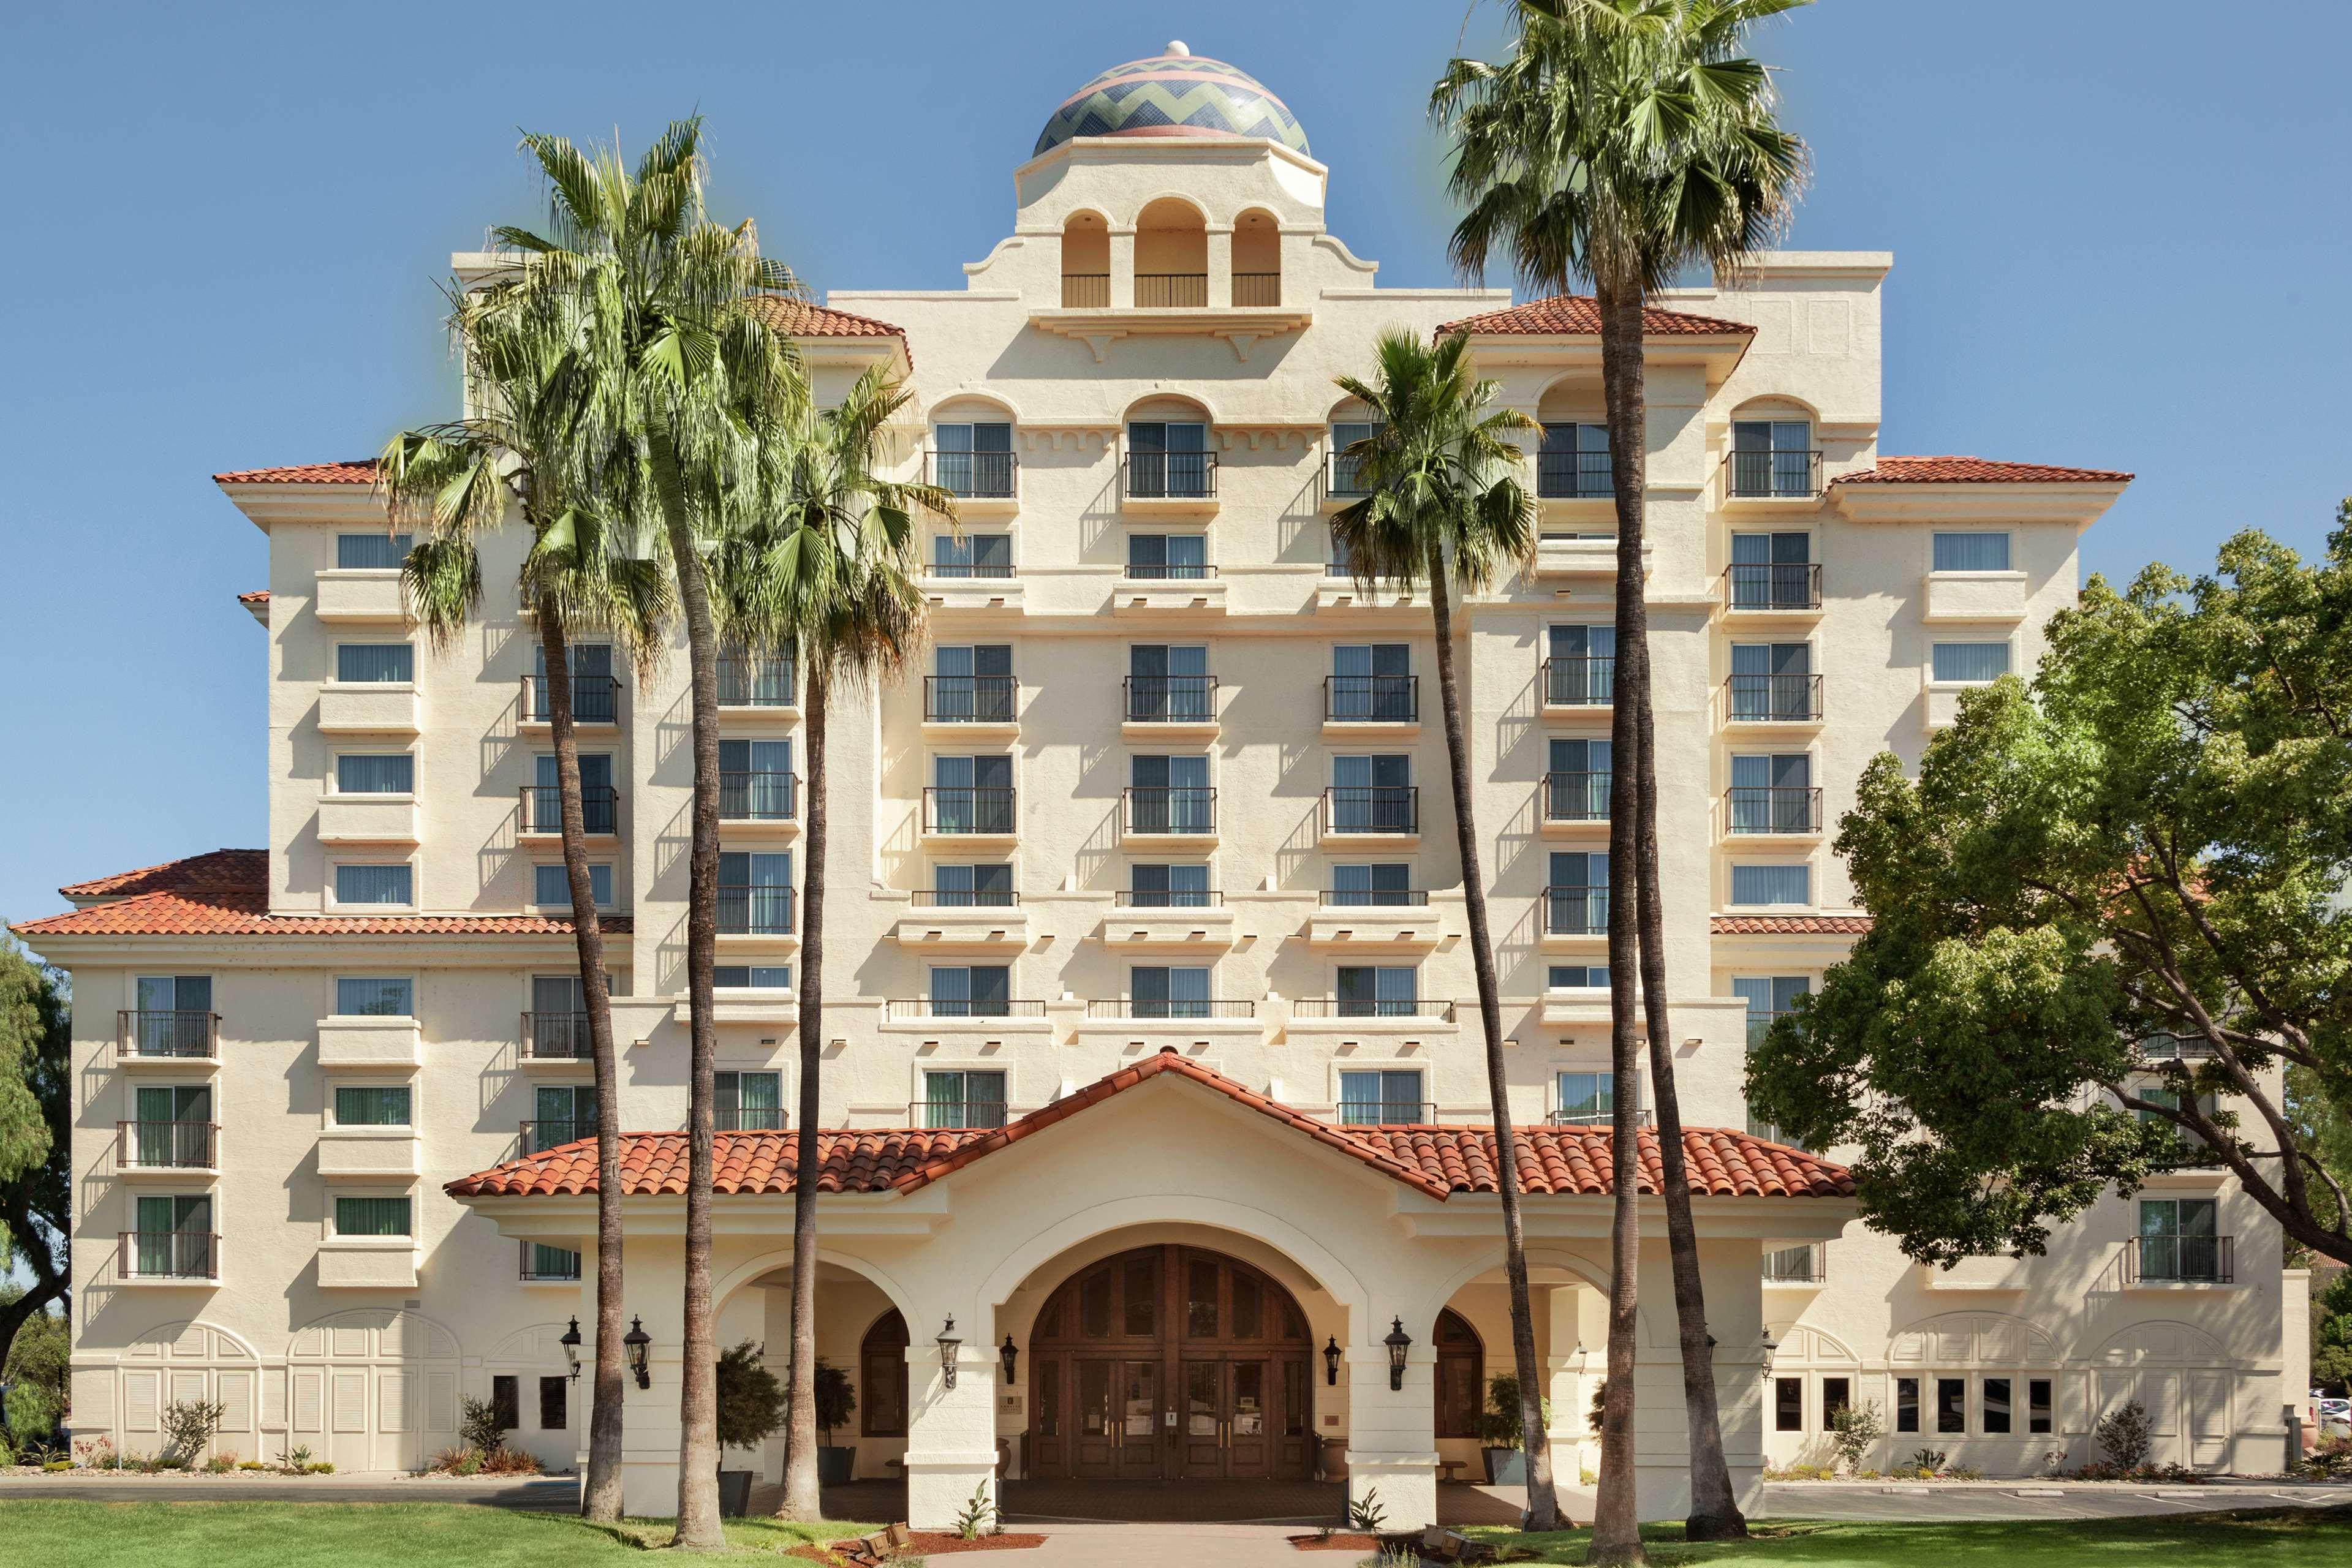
(2119, 231)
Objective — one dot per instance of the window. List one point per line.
(1587, 1099)
(1755, 884)
(1158, 992)
(1771, 457)
(963, 1099)
(1994, 1407)
(1168, 459)
(368, 1105)
(752, 978)
(973, 990)
(973, 459)
(1347, 470)
(506, 1401)
(1167, 557)
(882, 1378)
(1951, 1405)
(971, 795)
(2037, 1404)
(1369, 992)
(563, 1114)
(1971, 552)
(1371, 1098)
(755, 778)
(972, 887)
(1837, 1393)
(1461, 1376)
(1772, 571)
(1788, 1405)
(1970, 663)
(1574, 461)
(1580, 666)
(540, 1261)
(1771, 793)
(1372, 795)
(749, 680)
(1769, 997)
(1578, 978)
(392, 884)
(1169, 683)
(972, 683)
(370, 552)
(747, 1102)
(1372, 682)
(1576, 897)
(362, 663)
(595, 694)
(1167, 886)
(392, 774)
(1576, 781)
(1792, 1265)
(374, 997)
(1169, 795)
(1773, 682)
(1906, 1404)
(551, 886)
(755, 892)
(371, 1216)
(1375, 885)
(2177, 1240)
(554, 1396)
(599, 801)
(974, 555)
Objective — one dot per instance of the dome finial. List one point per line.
(1176, 48)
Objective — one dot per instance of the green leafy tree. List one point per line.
(35, 1143)
(1623, 141)
(36, 1371)
(2331, 1336)
(2107, 911)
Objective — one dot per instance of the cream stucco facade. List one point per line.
(1147, 659)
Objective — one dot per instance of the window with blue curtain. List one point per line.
(599, 801)
(1771, 457)
(393, 773)
(752, 976)
(373, 1216)
(1167, 886)
(374, 885)
(1580, 666)
(1156, 992)
(755, 892)
(1767, 997)
(1368, 991)
(1578, 978)
(1970, 662)
(970, 990)
(973, 459)
(1971, 552)
(372, 1105)
(1178, 557)
(594, 691)
(756, 783)
(1390, 1096)
(1347, 471)
(974, 555)
(964, 1098)
(1376, 885)
(551, 886)
(370, 552)
(1587, 1098)
(374, 996)
(1752, 884)
(369, 663)
(1573, 461)
(1579, 892)
(1576, 781)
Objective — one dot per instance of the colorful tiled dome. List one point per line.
(1174, 93)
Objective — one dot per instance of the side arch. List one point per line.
(1973, 1339)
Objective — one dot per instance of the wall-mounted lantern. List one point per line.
(1769, 1349)
(571, 1343)
(1399, 1341)
(1010, 1353)
(640, 1345)
(1331, 1362)
(950, 1343)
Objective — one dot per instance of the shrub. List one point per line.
(2127, 1436)
(462, 1460)
(1963, 1473)
(221, 1464)
(1366, 1514)
(1502, 1425)
(478, 1424)
(188, 1427)
(750, 1400)
(510, 1462)
(298, 1460)
(323, 1467)
(836, 1401)
(975, 1515)
(53, 1465)
(1855, 1430)
(1928, 1461)
(251, 1465)
(2330, 1461)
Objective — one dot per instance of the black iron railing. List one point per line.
(1372, 808)
(1580, 682)
(165, 1145)
(755, 911)
(1370, 1008)
(1807, 1265)
(1574, 476)
(1168, 571)
(952, 1115)
(556, 1037)
(748, 682)
(970, 699)
(1167, 898)
(2178, 1260)
(1771, 808)
(170, 1255)
(1086, 291)
(954, 569)
(1170, 290)
(1388, 1113)
(1183, 808)
(1772, 585)
(758, 797)
(177, 1035)
(542, 1263)
(1792, 474)
(962, 809)
(1344, 476)
(965, 1008)
(1375, 897)
(975, 475)
(1576, 796)
(1170, 476)
(543, 808)
(1169, 1007)
(747, 1119)
(1372, 699)
(1792, 698)
(965, 898)
(595, 699)
(1576, 909)
(1603, 1119)
(1170, 699)
(1257, 288)
(538, 1136)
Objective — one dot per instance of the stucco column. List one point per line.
(1564, 1381)
(1391, 1435)
(1221, 267)
(951, 1432)
(1122, 269)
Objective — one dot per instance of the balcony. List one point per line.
(966, 1020)
(537, 1137)
(1758, 811)
(368, 707)
(1144, 589)
(1772, 477)
(368, 1154)
(1172, 291)
(1370, 706)
(952, 1115)
(169, 1148)
(1169, 1007)
(1169, 484)
(1574, 477)
(756, 687)
(1158, 920)
(2163, 1260)
(965, 815)
(1257, 288)
(540, 813)
(1574, 805)
(1801, 1266)
(1375, 921)
(972, 705)
(1086, 291)
(1387, 1113)
(166, 1039)
(1766, 702)
(168, 1257)
(1168, 707)
(544, 1265)
(1183, 815)
(1580, 686)
(1771, 591)
(984, 1009)
(1343, 480)
(1575, 915)
(756, 917)
(351, 596)
(965, 918)
(1975, 596)
(1329, 1022)
(984, 484)
(369, 1043)
(367, 818)
(1371, 816)
(1603, 1120)
(1591, 554)
(595, 703)
(562, 1039)
(1337, 593)
(759, 804)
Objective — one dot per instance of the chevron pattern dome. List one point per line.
(1174, 93)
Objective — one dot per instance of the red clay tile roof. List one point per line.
(1976, 471)
(258, 596)
(360, 473)
(1439, 1161)
(1788, 925)
(225, 893)
(799, 318)
(1576, 316)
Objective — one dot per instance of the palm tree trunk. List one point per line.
(1543, 1502)
(801, 1500)
(1616, 1525)
(601, 1498)
(698, 1402)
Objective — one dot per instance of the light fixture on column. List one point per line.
(1399, 1341)
(1010, 1353)
(1331, 1362)
(571, 1343)
(950, 1343)
(639, 1343)
(1768, 1348)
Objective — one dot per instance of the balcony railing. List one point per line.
(1370, 1008)
(595, 699)
(1167, 898)
(1169, 1007)
(948, 1115)
(556, 1037)
(543, 808)
(973, 476)
(2178, 1260)
(1344, 476)
(165, 1145)
(1576, 796)
(962, 570)
(537, 1137)
(1372, 699)
(1257, 288)
(970, 699)
(1166, 476)
(1759, 1024)
(1791, 698)
(961, 808)
(1576, 909)
(1792, 474)
(1806, 1265)
(966, 898)
(748, 682)
(1388, 1113)
(747, 1118)
(1574, 477)
(1375, 897)
(758, 797)
(1772, 585)
(1372, 808)
(965, 1008)
(1580, 682)
(1168, 571)
(755, 911)
(1771, 808)
(1086, 291)
(542, 1263)
(1594, 1118)
(177, 1035)
(1171, 290)
(1170, 699)
(170, 1255)
(1185, 809)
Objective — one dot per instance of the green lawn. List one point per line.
(2306, 1537)
(72, 1535)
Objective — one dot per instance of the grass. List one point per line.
(72, 1533)
(2306, 1538)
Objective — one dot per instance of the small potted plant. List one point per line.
(1501, 1433)
(751, 1407)
(836, 1401)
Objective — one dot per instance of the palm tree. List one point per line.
(829, 569)
(676, 400)
(1443, 507)
(453, 482)
(1624, 140)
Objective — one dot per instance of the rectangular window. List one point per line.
(1970, 662)
(1579, 978)
(1579, 666)
(1771, 457)
(371, 1216)
(392, 774)
(973, 459)
(1157, 991)
(1767, 997)
(1587, 1099)
(752, 978)
(373, 996)
(973, 886)
(392, 884)
(551, 886)
(370, 552)
(1995, 1418)
(555, 1394)
(2037, 1404)
(1365, 991)
(755, 893)
(1951, 1405)
(963, 1099)
(1572, 461)
(1347, 467)
(974, 991)
(365, 662)
(506, 1400)
(1788, 1405)
(1370, 885)
(1906, 1404)
(974, 555)
(1389, 1097)
(545, 1263)
(561, 1114)
(372, 1106)
(1168, 459)
(1771, 572)
(1576, 898)
(1755, 884)
(1167, 557)
(1837, 1392)
(1971, 552)
(2177, 1240)
(747, 1102)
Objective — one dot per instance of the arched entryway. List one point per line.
(1172, 1363)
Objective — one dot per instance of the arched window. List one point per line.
(1461, 1377)
(1257, 259)
(882, 1377)
(1085, 262)
(1171, 257)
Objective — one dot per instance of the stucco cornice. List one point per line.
(2077, 504)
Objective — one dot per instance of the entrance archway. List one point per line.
(1172, 1363)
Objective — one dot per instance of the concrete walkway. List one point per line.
(1170, 1546)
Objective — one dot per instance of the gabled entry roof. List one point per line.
(1440, 1161)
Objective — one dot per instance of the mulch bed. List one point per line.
(1336, 1543)
(921, 1543)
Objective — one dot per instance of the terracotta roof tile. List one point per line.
(1576, 316)
(1788, 925)
(1976, 471)
(360, 473)
(799, 318)
(258, 596)
(216, 870)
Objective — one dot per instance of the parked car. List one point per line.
(2335, 1417)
